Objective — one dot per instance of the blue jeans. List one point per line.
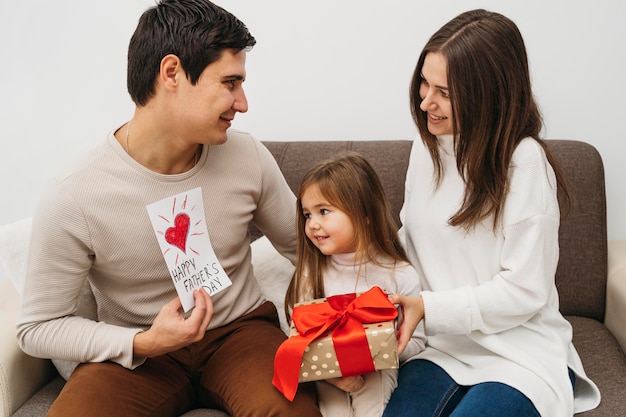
(426, 390)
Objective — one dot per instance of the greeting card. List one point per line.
(181, 230)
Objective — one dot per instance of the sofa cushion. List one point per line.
(604, 363)
(39, 403)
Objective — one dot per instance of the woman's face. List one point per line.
(435, 95)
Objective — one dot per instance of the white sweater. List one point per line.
(343, 276)
(92, 225)
(492, 309)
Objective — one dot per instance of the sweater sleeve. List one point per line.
(524, 283)
(408, 283)
(60, 257)
(276, 209)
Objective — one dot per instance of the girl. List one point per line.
(480, 222)
(347, 243)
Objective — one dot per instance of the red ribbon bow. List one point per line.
(345, 316)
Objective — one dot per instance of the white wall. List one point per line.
(323, 69)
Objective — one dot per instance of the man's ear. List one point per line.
(169, 71)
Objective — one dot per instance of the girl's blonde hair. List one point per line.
(352, 185)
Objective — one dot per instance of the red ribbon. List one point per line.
(345, 316)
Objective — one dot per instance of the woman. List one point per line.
(480, 224)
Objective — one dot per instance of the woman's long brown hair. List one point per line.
(493, 108)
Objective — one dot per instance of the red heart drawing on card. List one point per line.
(177, 235)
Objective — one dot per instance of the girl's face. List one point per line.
(330, 229)
(435, 95)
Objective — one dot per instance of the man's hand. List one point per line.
(412, 309)
(349, 383)
(171, 331)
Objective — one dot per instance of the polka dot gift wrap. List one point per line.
(320, 359)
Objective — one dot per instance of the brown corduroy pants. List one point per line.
(231, 369)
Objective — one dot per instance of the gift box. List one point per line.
(319, 360)
(339, 336)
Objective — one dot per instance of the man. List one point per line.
(144, 355)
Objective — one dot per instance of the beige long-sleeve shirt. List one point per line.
(92, 225)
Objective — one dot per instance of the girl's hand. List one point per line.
(349, 383)
(412, 312)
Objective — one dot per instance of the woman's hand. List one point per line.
(412, 312)
(171, 331)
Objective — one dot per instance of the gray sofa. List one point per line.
(592, 289)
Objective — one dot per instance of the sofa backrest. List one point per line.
(389, 158)
(581, 274)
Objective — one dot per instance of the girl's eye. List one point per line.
(307, 215)
(324, 211)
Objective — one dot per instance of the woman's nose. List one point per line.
(427, 102)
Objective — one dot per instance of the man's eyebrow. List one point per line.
(234, 77)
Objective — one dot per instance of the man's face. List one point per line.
(208, 108)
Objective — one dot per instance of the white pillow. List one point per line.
(14, 242)
(273, 273)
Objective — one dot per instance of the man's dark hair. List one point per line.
(196, 31)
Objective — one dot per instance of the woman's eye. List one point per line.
(445, 93)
